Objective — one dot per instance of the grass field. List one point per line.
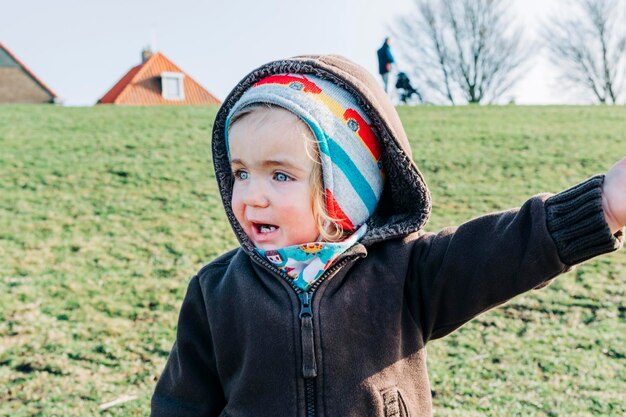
(106, 212)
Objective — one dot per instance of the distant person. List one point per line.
(327, 305)
(385, 59)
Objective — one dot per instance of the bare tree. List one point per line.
(462, 50)
(589, 47)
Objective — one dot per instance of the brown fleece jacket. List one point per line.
(249, 344)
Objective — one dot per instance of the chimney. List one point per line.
(146, 53)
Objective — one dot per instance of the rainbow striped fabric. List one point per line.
(349, 149)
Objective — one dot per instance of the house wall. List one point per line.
(18, 87)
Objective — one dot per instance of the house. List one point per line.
(18, 84)
(157, 80)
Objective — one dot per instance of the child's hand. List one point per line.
(614, 196)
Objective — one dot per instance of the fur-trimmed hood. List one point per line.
(405, 204)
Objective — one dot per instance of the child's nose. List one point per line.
(255, 195)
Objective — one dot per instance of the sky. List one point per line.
(81, 48)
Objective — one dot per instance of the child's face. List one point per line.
(272, 195)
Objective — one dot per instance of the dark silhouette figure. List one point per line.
(403, 83)
(385, 59)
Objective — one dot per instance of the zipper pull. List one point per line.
(309, 366)
(305, 304)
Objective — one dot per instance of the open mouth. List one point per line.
(265, 228)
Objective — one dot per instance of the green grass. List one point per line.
(106, 212)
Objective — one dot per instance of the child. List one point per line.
(327, 306)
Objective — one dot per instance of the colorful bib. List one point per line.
(306, 263)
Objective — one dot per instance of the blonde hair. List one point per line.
(329, 228)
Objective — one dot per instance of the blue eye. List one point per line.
(279, 176)
(241, 175)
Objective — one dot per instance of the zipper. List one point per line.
(309, 396)
(307, 337)
(309, 365)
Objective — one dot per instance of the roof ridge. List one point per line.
(149, 62)
(144, 68)
(28, 71)
(112, 93)
(190, 77)
(127, 90)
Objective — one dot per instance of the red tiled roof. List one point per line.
(141, 86)
(115, 91)
(28, 71)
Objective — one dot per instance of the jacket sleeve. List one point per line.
(461, 272)
(390, 56)
(189, 385)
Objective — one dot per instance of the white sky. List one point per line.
(80, 48)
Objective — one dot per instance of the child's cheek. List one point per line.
(236, 203)
(285, 189)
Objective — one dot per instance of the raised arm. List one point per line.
(461, 272)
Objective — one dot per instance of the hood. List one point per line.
(405, 203)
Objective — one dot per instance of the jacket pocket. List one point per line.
(393, 403)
